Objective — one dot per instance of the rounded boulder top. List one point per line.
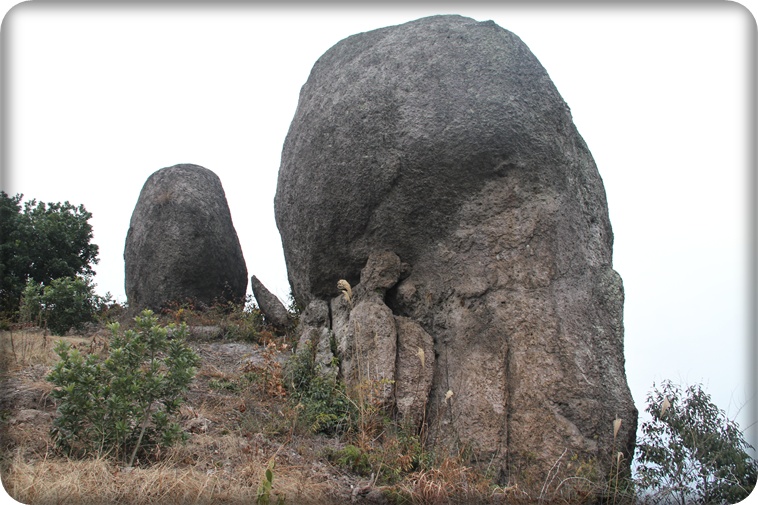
(395, 128)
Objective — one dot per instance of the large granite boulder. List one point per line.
(181, 245)
(444, 142)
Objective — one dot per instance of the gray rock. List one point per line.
(369, 362)
(315, 338)
(272, 309)
(316, 314)
(444, 141)
(30, 416)
(182, 245)
(417, 118)
(414, 371)
(382, 271)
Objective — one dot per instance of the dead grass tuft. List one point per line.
(347, 290)
(449, 482)
(208, 470)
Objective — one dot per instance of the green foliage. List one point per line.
(126, 402)
(41, 242)
(322, 401)
(30, 310)
(263, 496)
(63, 304)
(354, 459)
(690, 452)
(224, 385)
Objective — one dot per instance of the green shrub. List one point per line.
(125, 403)
(322, 401)
(353, 459)
(65, 303)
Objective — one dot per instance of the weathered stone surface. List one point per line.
(315, 337)
(365, 329)
(313, 320)
(382, 271)
(272, 309)
(444, 141)
(181, 243)
(414, 370)
(371, 349)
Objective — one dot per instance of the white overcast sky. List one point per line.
(95, 99)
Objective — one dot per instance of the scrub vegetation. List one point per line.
(215, 407)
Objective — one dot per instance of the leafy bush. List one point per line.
(690, 452)
(322, 401)
(354, 459)
(63, 304)
(126, 402)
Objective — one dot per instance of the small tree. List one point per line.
(41, 242)
(690, 452)
(30, 310)
(126, 402)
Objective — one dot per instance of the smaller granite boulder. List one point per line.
(272, 309)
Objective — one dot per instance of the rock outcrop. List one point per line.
(182, 245)
(435, 167)
(273, 310)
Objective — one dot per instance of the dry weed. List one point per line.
(347, 291)
(449, 482)
(208, 470)
(33, 346)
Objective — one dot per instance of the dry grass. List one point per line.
(239, 421)
(25, 347)
(223, 462)
(347, 291)
(209, 469)
(450, 482)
